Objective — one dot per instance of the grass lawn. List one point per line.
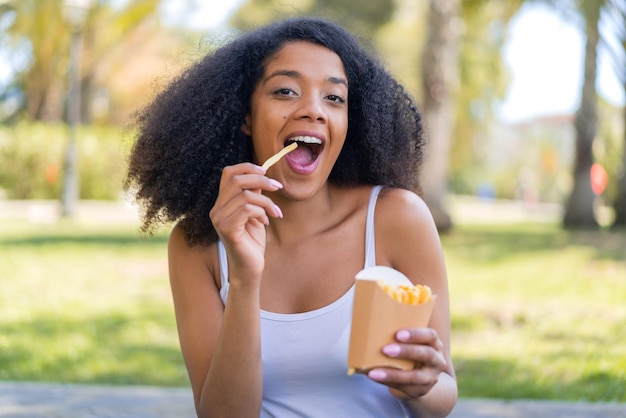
(85, 303)
(537, 312)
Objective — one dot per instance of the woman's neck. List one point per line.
(303, 218)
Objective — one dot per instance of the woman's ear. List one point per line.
(245, 128)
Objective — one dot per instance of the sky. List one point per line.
(544, 54)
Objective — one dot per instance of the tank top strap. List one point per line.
(370, 239)
(223, 261)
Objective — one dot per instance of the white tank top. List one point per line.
(305, 356)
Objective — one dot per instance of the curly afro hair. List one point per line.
(192, 129)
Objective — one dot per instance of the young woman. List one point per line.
(262, 262)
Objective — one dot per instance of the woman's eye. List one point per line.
(336, 99)
(284, 92)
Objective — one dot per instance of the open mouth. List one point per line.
(309, 148)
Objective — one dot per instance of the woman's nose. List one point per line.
(312, 108)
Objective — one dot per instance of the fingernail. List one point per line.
(392, 350)
(280, 212)
(276, 184)
(377, 374)
(403, 335)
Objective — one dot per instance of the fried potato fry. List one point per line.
(280, 154)
(412, 295)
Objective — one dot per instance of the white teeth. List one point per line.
(307, 139)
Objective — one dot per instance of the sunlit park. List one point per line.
(525, 175)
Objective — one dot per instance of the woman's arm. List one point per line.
(407, 240)
(221, 344)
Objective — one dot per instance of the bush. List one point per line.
(32, 159)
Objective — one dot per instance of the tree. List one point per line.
(363, 17)
(38, 30)
(440, 81)
(484, 78)
(579, 211)
(579, 207)
(619, 205)
(122, 37)
(617, 9)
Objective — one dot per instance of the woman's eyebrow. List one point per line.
(338, 80)
(286, 73)
(296, 74)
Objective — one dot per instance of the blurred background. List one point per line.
(524, 105)
(523, 100)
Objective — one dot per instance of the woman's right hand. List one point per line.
(240, 215)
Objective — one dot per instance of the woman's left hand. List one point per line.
(425, 349)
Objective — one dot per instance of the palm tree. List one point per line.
(579, 210)
(39, 28)
(617, 10)
(440, 80)
(362, 17)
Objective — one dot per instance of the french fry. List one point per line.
(280, 154)
(412, 295)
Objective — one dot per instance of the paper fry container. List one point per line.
(376, 317)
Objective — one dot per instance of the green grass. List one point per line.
(86, 304)
(537, 312)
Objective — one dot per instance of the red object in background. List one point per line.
(52, 173)
(599, 178)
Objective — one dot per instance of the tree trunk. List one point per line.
(579, 208)
(619, 206)
(440, 78)
(86, 99)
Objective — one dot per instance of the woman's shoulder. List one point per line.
(178, 237)
(178, 240)
(401, 205)
(180, 253)
(404, 225)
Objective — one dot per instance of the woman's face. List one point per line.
(302, 96)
